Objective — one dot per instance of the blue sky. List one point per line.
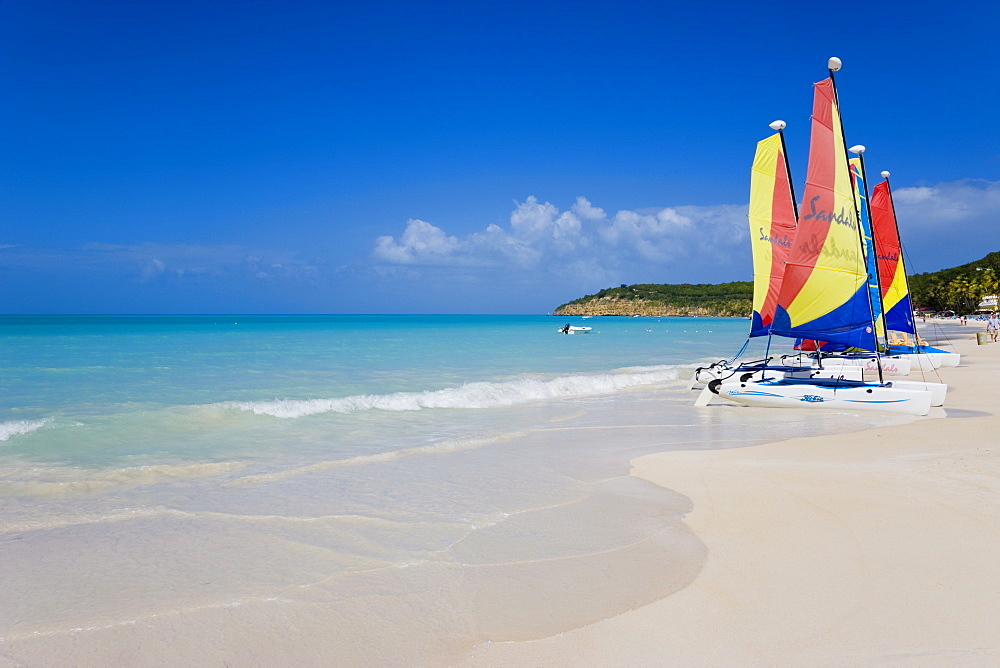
(455, 157)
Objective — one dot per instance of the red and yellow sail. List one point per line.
(824, 291)
(889, 258)
(772, 228)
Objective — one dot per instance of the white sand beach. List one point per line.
(880, 547)
(865, 548)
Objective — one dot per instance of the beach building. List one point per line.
(988, 304)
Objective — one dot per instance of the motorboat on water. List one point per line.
(574, 329)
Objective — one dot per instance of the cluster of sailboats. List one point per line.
(830, 276)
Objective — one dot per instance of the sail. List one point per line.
(891, 272)
(824, 292)
(868, 243)
(772, 227)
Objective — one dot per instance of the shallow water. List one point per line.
(368, 489)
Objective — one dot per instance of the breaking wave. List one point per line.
(18, 427)
(469, 395)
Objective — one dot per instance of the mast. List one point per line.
(833, 65)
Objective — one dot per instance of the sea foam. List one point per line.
(18, 427)
(470, 395)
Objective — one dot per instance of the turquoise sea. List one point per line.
(366, 489)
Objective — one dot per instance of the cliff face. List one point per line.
(630, 307)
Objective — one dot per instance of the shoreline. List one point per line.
(877, 547)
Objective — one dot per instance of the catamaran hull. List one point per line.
(945, 359)
(776, 394)
(938, 390)
(922, 361)
(935, 356)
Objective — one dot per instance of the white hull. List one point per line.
(776, 394)
(923, 361)
(938, 390)
(574, 330)
(945, 359)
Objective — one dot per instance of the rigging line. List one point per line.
(742, 350)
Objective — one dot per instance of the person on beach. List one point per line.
(993, 327)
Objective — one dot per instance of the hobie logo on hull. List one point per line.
(812, 398)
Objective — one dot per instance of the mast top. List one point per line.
(777, 125)
(834, 64)
(858, 149)
(885, 175)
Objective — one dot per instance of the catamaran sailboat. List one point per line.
(823, 292)
(899, 320)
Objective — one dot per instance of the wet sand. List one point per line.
(878, 547)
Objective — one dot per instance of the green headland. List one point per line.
(959, 289)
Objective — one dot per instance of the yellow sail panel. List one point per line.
(897, 290)
(772, 226)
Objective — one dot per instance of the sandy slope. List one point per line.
(880, 547)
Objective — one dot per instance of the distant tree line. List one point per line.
(959, 289)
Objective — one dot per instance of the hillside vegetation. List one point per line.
(703, 299)
(958, 289)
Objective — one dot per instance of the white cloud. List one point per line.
(976, 203)
(587, 211)
(531, 219)
(942, 225)
(152, 268)
(657, 236)
(948, 224)
(421, 243)
(547, 241)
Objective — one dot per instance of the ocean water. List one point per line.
(358, 489)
